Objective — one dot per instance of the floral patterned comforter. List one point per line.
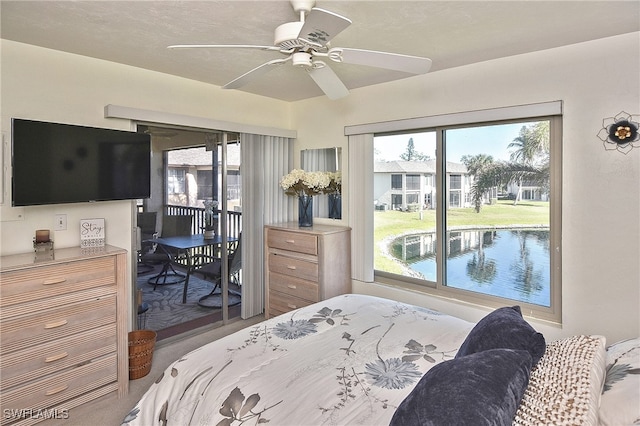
(348, 360)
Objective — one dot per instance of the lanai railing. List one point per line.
(234, 219)
(234, 225)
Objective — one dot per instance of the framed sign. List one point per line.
(92, 233)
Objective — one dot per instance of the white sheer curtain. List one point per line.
(361, 205)
(264, 160)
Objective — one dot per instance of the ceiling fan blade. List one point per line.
(223, 46)
(254, 73)
(328, 81)
(372, 58)
(320, 26)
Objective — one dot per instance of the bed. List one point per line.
(363, 360)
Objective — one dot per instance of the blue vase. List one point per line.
(305, 211)
(335, 206)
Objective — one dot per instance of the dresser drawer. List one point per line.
(294, 241)
(53, 324)
(58, 388)
(282, 303)
(28, 364)
(302, 289)
(39, 283)
(293, 267)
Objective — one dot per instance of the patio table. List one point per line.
(186, 243)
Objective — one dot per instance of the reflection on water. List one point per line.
(510, 263)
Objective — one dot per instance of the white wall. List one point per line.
(601, 189)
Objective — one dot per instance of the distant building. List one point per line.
(411, 185)
(190, 177)
(529, 191)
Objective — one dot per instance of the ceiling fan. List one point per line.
(306, 42)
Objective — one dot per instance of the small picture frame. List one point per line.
(92, 233)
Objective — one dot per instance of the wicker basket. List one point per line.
(141, 343)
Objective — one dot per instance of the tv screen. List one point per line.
(62, 163)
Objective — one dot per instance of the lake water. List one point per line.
(510, 263)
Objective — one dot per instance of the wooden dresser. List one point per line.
(63, 335)
(305, 265)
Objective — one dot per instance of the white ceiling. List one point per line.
(451, 33)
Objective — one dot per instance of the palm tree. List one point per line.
(529, 161)
(476, 163)
(477, 166)
(531, 150)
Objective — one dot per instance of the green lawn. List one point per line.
(390, 223)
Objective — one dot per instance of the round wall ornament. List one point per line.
(620, 132)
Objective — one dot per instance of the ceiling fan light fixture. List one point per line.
(302, 59)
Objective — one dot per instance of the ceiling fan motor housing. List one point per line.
(286, 35)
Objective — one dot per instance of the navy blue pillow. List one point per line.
(504, 328)
(484, 388)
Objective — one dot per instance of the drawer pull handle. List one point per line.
(289, 305)
(55, 324)
(56, 357)
(56, 390)
(293, 268)
(290, 241)
(291, 286)
(53, 281)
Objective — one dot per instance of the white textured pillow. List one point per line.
(620, 403)
(565, 386)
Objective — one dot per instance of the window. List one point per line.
(455, 182)
(396, 201)
(484, 245)
(396, 181)
(454, 199)
(413, 182)
(205, 184)
(412, 198)
(176, 181)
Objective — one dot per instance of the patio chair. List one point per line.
(212, 270)
(147, 226)
(172, 226)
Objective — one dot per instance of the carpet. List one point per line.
(165, 303)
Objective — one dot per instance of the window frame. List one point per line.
(553, 313)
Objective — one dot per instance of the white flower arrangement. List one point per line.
(335, 183)
(298, 182)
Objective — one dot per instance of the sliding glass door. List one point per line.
(199, 176)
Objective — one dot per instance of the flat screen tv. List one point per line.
(62, 163)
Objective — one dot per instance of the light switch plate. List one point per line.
(60, 222)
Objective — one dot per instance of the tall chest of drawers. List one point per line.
(63, 331)
(305, 265)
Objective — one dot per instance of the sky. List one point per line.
(490, 140)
